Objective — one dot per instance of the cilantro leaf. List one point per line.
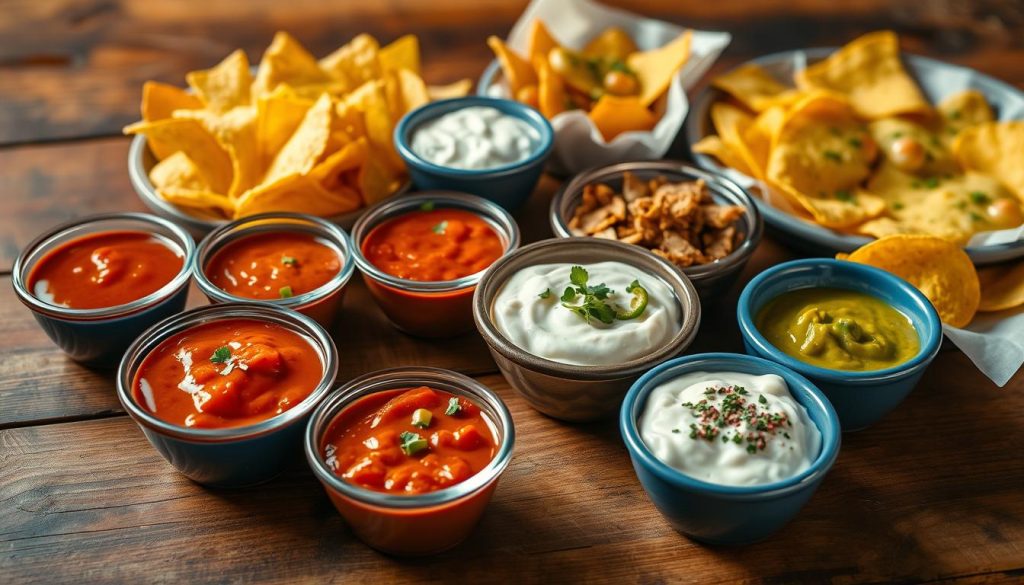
(412, 443)
(440, 228)
(578, 276)
(289, 260)
(453, 406)
(221, 355)
(544, 293)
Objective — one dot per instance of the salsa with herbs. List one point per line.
(273, 265)
(227, 373)
(409, 441)
(105, 269)
(433, 245)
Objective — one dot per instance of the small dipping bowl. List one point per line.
(723, 514)
(507, 185)
(572, 392)
(419, 524)
(711, 280)
(860, 397)
(321, 304)
(235, 456)
(99, 337)
(429, 308)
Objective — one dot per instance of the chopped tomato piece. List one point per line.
(468, 438)
(403, 405)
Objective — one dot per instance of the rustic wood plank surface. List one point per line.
(933, 492)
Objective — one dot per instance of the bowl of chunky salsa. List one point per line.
(291, 260)
(222, 391)
(422, 256)
(410, 456)
(860, 334)
(95, 284)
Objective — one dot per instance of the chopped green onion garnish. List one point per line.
(453, 406)
(286, 292)
(288, 260)
(427, 206)
(440, 228)
(412, 443)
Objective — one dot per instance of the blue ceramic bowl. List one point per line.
(238, 456)
(721, 514)
(99, 337)
(860, 398)
(507, 185)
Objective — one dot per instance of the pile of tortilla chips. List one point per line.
(610, 78)
(944, 273)
(855, 146)
(301, 135)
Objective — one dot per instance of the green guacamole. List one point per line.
(838, 329)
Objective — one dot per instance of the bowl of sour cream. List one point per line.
(491, 147)
(728, 447)
(571, 323)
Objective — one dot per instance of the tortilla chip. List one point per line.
(159, 100)
(277, 116)
(965, 108)
(286, 61)
(235, 131)
(457, 89)
(938, 158)
(412, 91)
(656, 68)
(614, 115)
(755, 88)
(350, 157)
(1002, 286)
(551, 96)
(306, 145)
(869, 72)
(297, 194)
(612, 44)
(376, 180)
(994, 148)
(224, 86)
(371, 100)
(518, 72)
(539, 42)
(354, 63)
(204, 203)
(732, 123)
(177, 171)
(713, 145)
(200, 146)
(940, 269)
(403, 53)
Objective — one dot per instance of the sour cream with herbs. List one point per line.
(529, 312)
(475, 138)
(729, 428)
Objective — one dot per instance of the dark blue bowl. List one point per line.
(99, 337)
(507, 185)
(721, 514)
(230, 457)
(860, 398)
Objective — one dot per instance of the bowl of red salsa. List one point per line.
(223, 391)
(289, 260)
(410, 456)
(422, 256)
(94, 284)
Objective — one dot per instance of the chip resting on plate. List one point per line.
(300, 134)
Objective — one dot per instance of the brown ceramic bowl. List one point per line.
(712, 280)
(573, 392)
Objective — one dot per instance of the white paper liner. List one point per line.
(578, 143)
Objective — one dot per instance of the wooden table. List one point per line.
(933, 492)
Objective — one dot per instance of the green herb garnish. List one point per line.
(440, 228)
(427, 206)
(289, 260)
(588, 301)
(844, 196)
(412, 443)
(980, 198)
(833, 156)
(544, 293)
(221, 354)
(855, 142)
(285, 291)
(931, 182)
(453, 406)
(975, 217)
(896, 206)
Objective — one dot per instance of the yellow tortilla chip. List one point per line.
(518, 72)
(200, 146)
(713, 145)
(403, 53)
(655, 68)
(306, 145)
(297, 194)
(348, 158)
(235, 131)
(753, 87)
(551, 96)
(732, 123)
(612, 44)
(203, 203)
(224, 86)
(869, 72)
(994, 148)
(539, 42)
(286, 61)
(159, 101)
(277, 116)
(376, 180)
(614, 115)
(371, 100)
(761, 134)
(177, 171)
(1002, 286)
(965, 108)
(938, 159)
(459, 88)
(940, 269)
(354, 63)
(412, 89)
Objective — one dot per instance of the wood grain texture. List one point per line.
(74, 68)
(931, 492)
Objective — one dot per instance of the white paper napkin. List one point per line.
(994, 342)
(578, 143)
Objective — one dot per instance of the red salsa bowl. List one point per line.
(410, 456)
(423, 255)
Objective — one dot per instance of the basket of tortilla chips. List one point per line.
(851, 144)
(294, 134)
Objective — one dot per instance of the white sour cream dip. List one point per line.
(544, 328)
(770, 442)
(478, 137)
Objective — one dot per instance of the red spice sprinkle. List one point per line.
(733, 411)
